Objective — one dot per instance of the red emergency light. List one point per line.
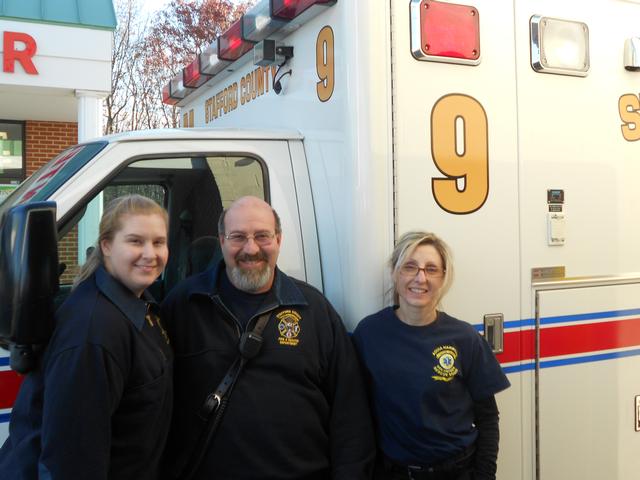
(290, 9)
(266, 18)
(193, 76)
(166, 95)
(445, 32)
(231, 45)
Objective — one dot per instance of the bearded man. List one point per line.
(298, 409)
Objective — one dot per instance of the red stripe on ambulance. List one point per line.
(519, 346)
(9, 385)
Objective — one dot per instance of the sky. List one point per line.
(150, 6)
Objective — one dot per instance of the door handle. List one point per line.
(494, 331)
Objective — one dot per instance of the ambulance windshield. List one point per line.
(44, 182)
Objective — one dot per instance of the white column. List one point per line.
(90, 114)
(90, 117)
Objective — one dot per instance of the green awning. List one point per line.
(84, 13)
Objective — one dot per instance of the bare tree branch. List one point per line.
(147, 53)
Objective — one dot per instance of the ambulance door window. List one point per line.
(194, 190)
(237, 177)
(69, 253)
(155, 192)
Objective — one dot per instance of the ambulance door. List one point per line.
(579, 204)
(194, 182)
(456, 171)
(588, 380)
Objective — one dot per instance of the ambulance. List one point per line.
(509, 128)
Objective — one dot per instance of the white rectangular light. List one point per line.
(632, 54)
(177, 89)
(210, 64)
(258, 24)
(559, 46)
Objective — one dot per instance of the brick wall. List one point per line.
(44, 140)
(47, 139)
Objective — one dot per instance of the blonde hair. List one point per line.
(407, 244)
(111, 223)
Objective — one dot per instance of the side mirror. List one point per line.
(28, 281)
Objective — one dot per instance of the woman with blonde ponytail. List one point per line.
(98, 405)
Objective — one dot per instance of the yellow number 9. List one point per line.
(629, 109)
(459, 146)
(325, 64)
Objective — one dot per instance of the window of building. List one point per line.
(11, 156)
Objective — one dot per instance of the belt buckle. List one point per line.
(412, 469)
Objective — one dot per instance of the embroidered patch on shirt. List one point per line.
(446, 368)
(288, 327)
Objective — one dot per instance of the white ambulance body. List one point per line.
(519, 149)
(519, 170)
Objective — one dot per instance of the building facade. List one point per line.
(56, 71)
(55, 58)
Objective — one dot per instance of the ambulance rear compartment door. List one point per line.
(456, 171)
(588, 377)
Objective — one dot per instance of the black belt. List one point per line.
(426, 472)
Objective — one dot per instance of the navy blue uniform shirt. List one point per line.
(299, 408)
(424, 382)
(99, 404)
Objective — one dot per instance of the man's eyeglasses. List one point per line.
(240, 239)
(411, 270)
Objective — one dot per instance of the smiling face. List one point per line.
(420, 291)
(137, 253)
(250, 266)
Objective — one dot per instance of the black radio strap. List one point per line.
(214, 405)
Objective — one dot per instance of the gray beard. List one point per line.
(250, 281)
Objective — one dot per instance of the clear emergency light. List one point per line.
(632, 54)
(258, 24)
(210, 64)
(559, 46)
(231, 45)
(192, 75)
(445, 32)
(177, 88)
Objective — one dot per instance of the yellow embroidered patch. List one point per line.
(446, 368)
(289, 327)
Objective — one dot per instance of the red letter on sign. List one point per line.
(11, 55)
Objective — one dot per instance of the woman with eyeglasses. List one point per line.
(432, 378)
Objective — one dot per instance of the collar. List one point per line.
(284, 289)
(132, 307)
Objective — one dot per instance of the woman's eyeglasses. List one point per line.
(411, 270)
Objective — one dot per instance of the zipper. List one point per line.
(217, 302)
(239, 330)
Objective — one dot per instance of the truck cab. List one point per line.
(194, 174)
